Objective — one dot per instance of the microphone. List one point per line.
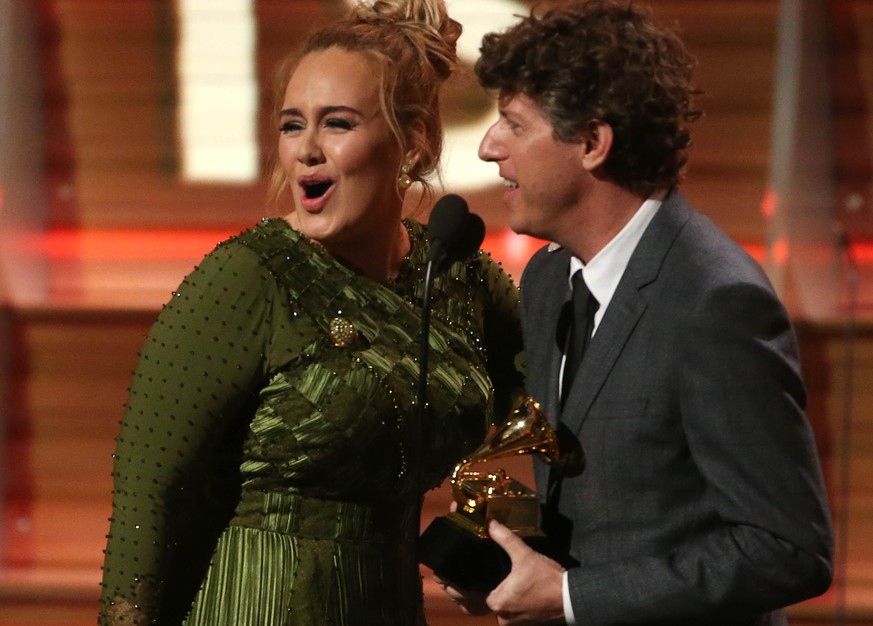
(455, 233)
(473, 237)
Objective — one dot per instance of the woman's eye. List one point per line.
(336, 122)
(290, 127)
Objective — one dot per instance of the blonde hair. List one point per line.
(412, 47)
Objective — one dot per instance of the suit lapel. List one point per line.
(544, 292)
(625, 309)
(552, 322)
(621, 317)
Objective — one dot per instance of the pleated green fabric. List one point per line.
(265, 470)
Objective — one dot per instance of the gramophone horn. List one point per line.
(525, 431)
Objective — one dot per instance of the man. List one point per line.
(701, 500)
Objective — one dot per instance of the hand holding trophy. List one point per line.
(456, 546)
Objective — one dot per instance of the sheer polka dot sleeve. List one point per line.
(198, 373)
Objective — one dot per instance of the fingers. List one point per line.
(470, 602)
(454, 595)
(508, 540)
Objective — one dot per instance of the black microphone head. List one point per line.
(455, 233)
(447, 223)
(474, 235)
(448, 219)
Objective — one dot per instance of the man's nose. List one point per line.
(489, 149)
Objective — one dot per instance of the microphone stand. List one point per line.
(437, 257)
(421, 414)
(453, 233)
(421, 395)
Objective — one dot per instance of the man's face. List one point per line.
(544, 177)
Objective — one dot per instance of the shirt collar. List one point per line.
(604, 271)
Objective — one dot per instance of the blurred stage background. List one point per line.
(135, 134)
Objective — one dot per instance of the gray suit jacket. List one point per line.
(702, 500)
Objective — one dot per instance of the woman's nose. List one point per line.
(309, 151)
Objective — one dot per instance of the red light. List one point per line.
(128, 244)
(768, 204)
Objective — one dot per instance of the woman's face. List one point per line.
(337, 150)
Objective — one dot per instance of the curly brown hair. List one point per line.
(607, 61)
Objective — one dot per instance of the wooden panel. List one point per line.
(112, 81)
(853, 132)
(70, 378)
(838, 378)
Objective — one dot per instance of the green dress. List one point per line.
(266, 470)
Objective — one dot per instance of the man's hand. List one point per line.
(470, 602)
(532, 593)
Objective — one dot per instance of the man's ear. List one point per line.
(597, 145)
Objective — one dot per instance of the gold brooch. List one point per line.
(342, 333)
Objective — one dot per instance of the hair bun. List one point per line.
(426, 23)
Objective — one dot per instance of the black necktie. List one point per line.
(579, 321)
(581, 326)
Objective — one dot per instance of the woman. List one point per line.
(266, 471)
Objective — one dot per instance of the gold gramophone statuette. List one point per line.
(456, 546)
(481, 497)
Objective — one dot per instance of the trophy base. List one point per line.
(466, 560)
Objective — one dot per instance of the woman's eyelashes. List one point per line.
(340, 123)
(291, 126)
(336, 123)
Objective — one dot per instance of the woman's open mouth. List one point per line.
(314, 192)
